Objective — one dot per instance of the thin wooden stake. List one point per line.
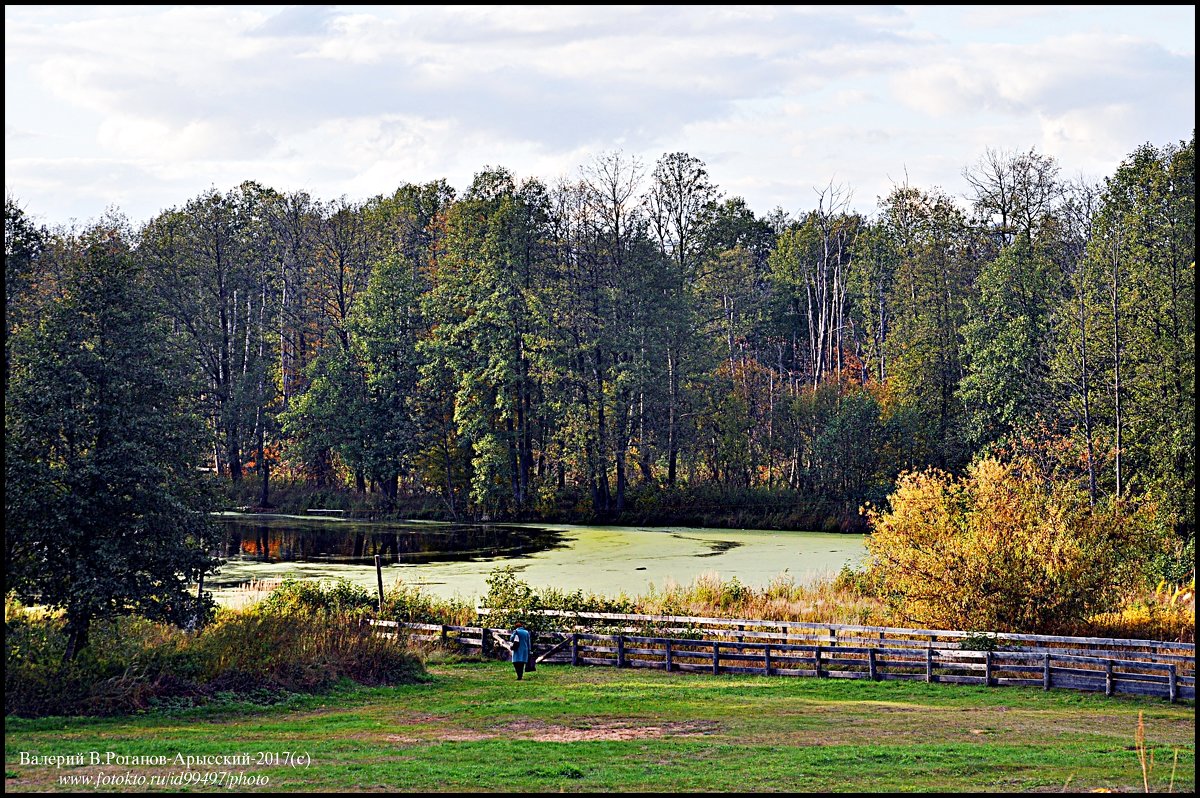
(379, 576)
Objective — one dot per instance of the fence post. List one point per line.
(767, 658)
(574, 648)
(929, 664)
(444, 635)
(1172, 686)
(620, 651)
(987, 669)
(817, 661)
(832, 637)
(485, 641)
(1046, 673)
(379, 576)
(741, 628)
(1108, 677)
(668, 655)
(716, 657)
(871, 672)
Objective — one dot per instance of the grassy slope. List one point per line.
(475, 728)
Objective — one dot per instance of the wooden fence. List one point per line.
(741, 630)
(790, 648)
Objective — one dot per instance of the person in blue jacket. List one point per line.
(521, 650)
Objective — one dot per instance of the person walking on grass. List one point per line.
(522, 652)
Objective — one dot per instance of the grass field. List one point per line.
(473, 727)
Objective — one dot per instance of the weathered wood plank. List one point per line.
(745, 671)
(596, 661)
(951, 679)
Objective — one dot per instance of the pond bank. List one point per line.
(710, 507)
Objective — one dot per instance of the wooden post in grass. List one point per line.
(668, 655)
(872, 673)
(1172, 686)
(767, 659)
(817, 661)
(929, 664)
(485, 641)
(620, 651)
(574, 648)
(379, 577)
(716, 657)
(445, 635)
(1108, 677)
(987, 669)
(1046, 673)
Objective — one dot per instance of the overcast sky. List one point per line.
(144, 107)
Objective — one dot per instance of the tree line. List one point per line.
(595, 346)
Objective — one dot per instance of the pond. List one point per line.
(454, 560)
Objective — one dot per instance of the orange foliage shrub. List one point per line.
(1005, 549)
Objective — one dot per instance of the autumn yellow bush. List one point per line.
(1003, 548)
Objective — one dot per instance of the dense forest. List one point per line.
(630, 343)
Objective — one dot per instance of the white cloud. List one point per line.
(160, 100)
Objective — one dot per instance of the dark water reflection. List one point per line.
(290, 539)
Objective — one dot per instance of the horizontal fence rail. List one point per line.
(834, 634)
(792, 648)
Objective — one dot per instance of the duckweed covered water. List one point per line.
(450, 560)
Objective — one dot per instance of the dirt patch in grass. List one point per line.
(542, 732)
(611, 730)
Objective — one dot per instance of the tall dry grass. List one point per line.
(838, 600)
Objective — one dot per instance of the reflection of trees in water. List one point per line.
(269, 542)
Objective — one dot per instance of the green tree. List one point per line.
(105, 508)
(384, 330)
(680, 205)
(24, 242)
(1006, 345)
(1144, 245)
(932, 282)
(210, 268)
(486, 332)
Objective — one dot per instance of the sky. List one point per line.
(142, 108)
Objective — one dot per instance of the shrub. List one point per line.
(1004, 549)
(302, 640)
(411, 604)
(511, 601)
(855, 581)
(342, 596)
(1166, 613)
(36, 680)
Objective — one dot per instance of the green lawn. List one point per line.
(475, 728)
